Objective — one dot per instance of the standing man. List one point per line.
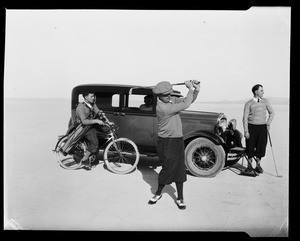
(170, 145)
(256, 126)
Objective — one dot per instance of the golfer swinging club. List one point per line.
(170, 145)
(256, 126)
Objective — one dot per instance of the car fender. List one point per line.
(217, 140)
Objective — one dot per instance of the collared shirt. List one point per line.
(256, 99)
(255, 112)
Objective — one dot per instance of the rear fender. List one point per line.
(59, 139)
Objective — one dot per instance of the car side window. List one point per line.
(108, 101)
(115, 100)
(140, 103)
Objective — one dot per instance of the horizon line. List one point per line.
(286, 100)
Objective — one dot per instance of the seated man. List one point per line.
(148, 106)
(87, 113)
(231, 135)
(175, 94)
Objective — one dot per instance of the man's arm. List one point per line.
(195, 94)
(84, 119)
(196, 90)
(182, 105)
(271, 113)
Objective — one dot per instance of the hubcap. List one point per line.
(204, 158)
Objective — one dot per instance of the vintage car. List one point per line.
(205, 149)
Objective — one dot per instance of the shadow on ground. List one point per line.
(148, 166)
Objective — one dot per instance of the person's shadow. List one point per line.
(147, 166)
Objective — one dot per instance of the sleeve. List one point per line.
(245, 116)
(195, 95)
(83, 117)
(182, 105)
(271, 113)
(81, 114)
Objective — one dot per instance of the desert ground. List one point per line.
(41, 195)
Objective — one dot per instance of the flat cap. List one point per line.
(163, 88)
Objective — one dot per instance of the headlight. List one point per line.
(221, 124)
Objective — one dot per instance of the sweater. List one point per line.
(168, 119)
(256, 113)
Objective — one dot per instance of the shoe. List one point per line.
(87, 164)
(248, 169)
(259, 169)
(180, 204)
(154, 199)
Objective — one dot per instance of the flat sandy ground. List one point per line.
(40, 195)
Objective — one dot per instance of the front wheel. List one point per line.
(203, 158)
(121, 156)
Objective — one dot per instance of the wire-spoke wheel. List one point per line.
(204, 158)
(121, 156)
(70, 161)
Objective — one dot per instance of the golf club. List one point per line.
(273, 154)
(182, 83)
(150, 87)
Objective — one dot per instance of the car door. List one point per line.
(137, 124)
(110, 102)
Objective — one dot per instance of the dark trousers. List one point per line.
(92, 137)
(171, 154)
(256, 144)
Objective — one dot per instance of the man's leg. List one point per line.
(249, 153)
(160, 187)
(85, 159)
(261, 147)
(250, 145)
(157, 195)
(92, 142)
(180, 203)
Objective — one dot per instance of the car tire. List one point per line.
(203, 158)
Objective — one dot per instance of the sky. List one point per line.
(48, 52)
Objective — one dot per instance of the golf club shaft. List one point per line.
(273, 153)
(183, 83)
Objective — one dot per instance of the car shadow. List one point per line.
(147, 166)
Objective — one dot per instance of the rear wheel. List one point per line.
(72, 161)
(203, 158)
(121, 156)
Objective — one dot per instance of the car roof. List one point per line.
(121, 87)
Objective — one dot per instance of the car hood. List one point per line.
(199, 115)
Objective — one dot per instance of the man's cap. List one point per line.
(163, 88)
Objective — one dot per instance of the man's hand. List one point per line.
(99, 122)
(110, 123)
(189, 84)
(196, 84)
(247, 135)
